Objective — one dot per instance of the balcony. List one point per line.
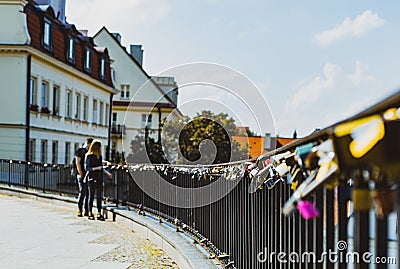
(117, 130)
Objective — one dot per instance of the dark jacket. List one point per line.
(91, 161)
(81, 154)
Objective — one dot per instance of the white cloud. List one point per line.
(362, 24)
(360, 75)
(117, 15)
(323, 100)
(312, 90)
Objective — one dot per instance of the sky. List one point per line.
(315, 62)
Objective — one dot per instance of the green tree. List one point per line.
(205, 139)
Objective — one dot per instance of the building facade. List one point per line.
(141, 103)
(56, 85)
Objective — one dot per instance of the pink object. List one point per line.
(307, 210)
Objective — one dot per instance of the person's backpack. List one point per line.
(74, 170)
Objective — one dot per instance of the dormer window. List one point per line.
(71, 49)
(102, 68)
(47, 34)
(87, 60)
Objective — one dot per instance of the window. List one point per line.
(43, 151)
(67, 152)
(45, 95)
(47, 34)
(101, 113)
(68, 103)
(125, 91)
(107, 114)
(87, 60)
(102, 68)
(85, 107)
(76, 147)
(56, 100)
(54, 152)
(146, 120)
(71, 49)
(32, 89)
(32, 150)
(94, 119)
(77, 106)
(114, 118)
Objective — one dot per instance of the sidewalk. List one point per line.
(39, 235)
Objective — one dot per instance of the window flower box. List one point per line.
(45, 110)
(34, 108)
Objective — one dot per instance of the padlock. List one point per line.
(362, 199)
(307, 210)
(282, 169)
(384, 200)
(297, 178)
(302, 153)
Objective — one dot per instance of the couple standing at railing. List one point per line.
(89, 165)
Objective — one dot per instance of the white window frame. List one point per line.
(101, 117)
(87, 59)
(85, 108)
(102, 68)
(147, 120)
(94, 115)
(125, 91)
(47, 33)
(71, 49)
(33, 91)
(68, 103)
(54, 152)
(56, 100)
(77, 106)
(44, 144)
(44, 102)
(67, 152)
(32, 149)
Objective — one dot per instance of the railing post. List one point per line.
(9, 173)
(44, 177)
(330, 225)
(342, 221)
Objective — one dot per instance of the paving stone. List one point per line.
(41, 235)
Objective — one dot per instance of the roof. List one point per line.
(60, 35)
(136, 62)
(283, 141)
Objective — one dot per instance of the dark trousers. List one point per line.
(83, 194)
(95, 187)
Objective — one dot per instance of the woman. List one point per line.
(94, 177)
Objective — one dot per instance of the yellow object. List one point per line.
(366, 133)
(362, 200)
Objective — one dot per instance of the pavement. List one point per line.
(37, 234)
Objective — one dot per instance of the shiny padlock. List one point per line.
(362, 199)
(302, 153)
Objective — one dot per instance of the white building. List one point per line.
(56, 85)
(141, 102)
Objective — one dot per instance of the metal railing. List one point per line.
(247, 229)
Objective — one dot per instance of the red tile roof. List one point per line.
(60, 34)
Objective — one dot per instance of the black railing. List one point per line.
(260, 229)
(242, 229)
(118, 130)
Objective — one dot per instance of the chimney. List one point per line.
(267, 141)
(84, 32)
(117, 36)
(137, 53)
(58, 7)
(295, 134)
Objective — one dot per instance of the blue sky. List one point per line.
(315, 62)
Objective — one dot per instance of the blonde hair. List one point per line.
(95, 148)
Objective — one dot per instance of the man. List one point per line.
(83, 188)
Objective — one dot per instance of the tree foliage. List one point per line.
(204, 139)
